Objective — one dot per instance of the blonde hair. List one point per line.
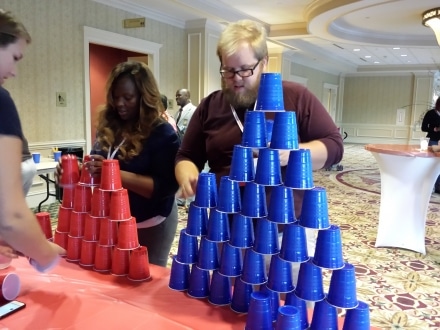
(11, 29)
(112, 129)
(243, 31)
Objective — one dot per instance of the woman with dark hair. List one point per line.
(19, 229)
(131, 129)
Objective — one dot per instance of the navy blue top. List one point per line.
(155, 160)
(9, 119)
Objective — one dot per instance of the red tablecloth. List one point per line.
(71, 297)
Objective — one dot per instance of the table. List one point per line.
(72, 297)
(44, 169)
(407, 179)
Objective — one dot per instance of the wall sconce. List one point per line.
(431, 18)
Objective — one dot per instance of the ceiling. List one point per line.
(338, 36)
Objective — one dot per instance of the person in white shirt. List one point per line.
(186, 109)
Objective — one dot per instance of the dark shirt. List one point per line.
(156, 160)
(431, 120)
(213, 131)
(9, 119)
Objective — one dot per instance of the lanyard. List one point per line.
(239, 123)
(112, 155)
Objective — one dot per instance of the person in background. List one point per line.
(131, 129)
(166, 115)
(184, 114)
(19, 229)
(28, 167)
(431, 125)
(216, 124)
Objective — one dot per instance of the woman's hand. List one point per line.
(94, 166)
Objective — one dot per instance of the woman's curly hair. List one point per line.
(111, 129)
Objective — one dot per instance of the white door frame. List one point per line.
(110, 39)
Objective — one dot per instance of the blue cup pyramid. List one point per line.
(250, 227)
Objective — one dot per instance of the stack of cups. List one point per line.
(230, 220)
(45, 224)
(68, 182)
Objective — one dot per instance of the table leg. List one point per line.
(406, 187)
(45, 177)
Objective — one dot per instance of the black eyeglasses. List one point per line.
(242, 73)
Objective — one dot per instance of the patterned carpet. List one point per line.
(402, 287)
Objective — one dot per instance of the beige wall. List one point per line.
(54, 62)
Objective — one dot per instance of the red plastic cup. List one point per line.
(119, 206)
(77, 222)
(120, 262)
(68, 193)
(100, 203)
(110, 175)
(91, 228)
(108, 232)
(86, 178)
(64, 214)
(60, 238)
(73, 248)
(139, 269)
(88, 250)
(70, 176)
(45, 223)
(10, 286)
(127, 235)
(82, 198)
(103, 258)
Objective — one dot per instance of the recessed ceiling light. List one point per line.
(396, 48)
(356, 50)
(376, 62)
(367, 56)
(403, 55)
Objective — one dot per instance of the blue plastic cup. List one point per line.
(220, 291)
(242, 231)
(268, 172)
(314, 212)
(288, 318)
(229, 198)
(197, 224)
(206, 193)
(187, 249)
(328, 252)
(294, 244)
(242, 164)
(254, 130)
(274, 300)
(310, 284)
(269, 129)
(218, 226)
(198, 283)
(254, 201)
(285, 131)
(301, 305)
(342, 289)
(299, 173)
(231, 260)
(208, 255)
(241, 296)
(266, 237)
(324, 316)
(280, 275)
(357, 318)
(179, 276)
(259, 314)
(270, 93)
(254, 268)
(281, 208)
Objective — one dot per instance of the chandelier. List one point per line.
(431, 18)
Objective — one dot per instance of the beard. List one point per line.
(245, 100)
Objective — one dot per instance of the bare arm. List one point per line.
(18, 225)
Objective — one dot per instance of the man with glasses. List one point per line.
(216, 125)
